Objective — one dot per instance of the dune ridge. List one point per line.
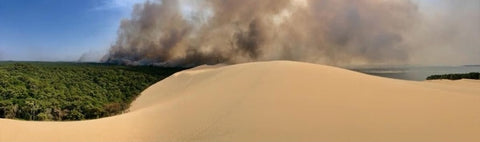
(278, 101)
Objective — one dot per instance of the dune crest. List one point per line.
(278, 101)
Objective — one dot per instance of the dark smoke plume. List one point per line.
(189, 32)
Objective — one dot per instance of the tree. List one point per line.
(72, 91)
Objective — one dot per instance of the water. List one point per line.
(415, 73)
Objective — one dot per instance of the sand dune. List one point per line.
(279, 101)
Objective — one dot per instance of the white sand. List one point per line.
(279, 101)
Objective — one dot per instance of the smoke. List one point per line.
(448, 34)
(336, 32)
(91, 56)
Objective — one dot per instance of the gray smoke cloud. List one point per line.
(336, 32)
(448, 34)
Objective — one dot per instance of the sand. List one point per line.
(279, 101)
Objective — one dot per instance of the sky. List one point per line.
(59, 30)
(64, 30)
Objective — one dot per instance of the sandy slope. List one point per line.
(279, 101)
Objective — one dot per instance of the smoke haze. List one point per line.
(448, 35)
(336, 32)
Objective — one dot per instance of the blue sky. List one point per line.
(52, 30)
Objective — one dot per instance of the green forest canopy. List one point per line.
(472, 75)
(72, 91)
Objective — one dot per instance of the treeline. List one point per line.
(472, 75)
(72, 91)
